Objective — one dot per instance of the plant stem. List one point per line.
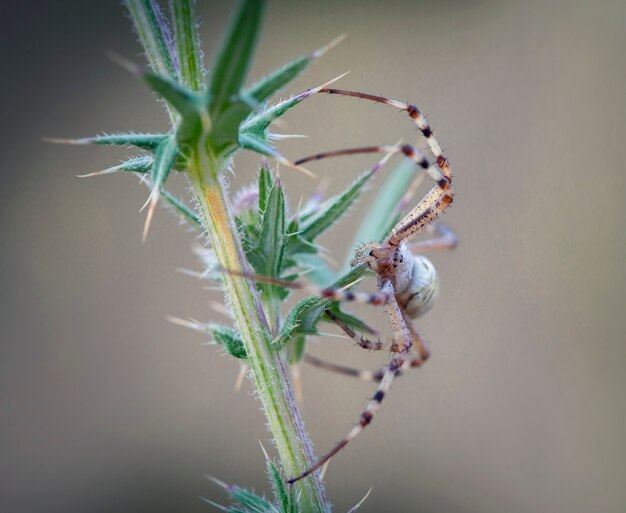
(270, 373)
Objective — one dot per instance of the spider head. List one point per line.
(394, 262)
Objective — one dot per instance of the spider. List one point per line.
(407, 281)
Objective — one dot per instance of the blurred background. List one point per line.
(105, 405)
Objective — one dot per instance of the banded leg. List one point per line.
(362, 374)
(423, 350)
(435, 172)
(403, 336)
(423, 215)
(365, 375)
(413, 112)
(362, 341)
(382, 297)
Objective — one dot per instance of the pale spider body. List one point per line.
(414, 277)
(421, 292)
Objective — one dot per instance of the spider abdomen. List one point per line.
(421, 294)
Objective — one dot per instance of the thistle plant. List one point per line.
(214, 115)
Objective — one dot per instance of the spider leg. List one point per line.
(362, 341)
(419, 341)
(444, 239)
(364, 375)
(413, 112)
(411, 152)
(422, 215)
(399, 363)
(383, 296)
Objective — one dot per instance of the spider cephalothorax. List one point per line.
(393, 263)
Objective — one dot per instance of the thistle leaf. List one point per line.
(249, 501)
(279, 78)
(257, 124)
(187, 44)
(317, 271)
(273, 232)
(141, 164)
(227, 337)
(302, 319)
(187, 213)
(232, 62)
(305, 315)
(349, 320)
(255, 127)
(377, 221)
(333, 208)
(164, 160)
(284, 498)
(190, 105)
(143, 141)
(265, 185)
(154, 35)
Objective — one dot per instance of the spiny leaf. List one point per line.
(273, 231)
(305, 315)
(141, 164)
(164, 160)
(250, 501)
(227, 337)
(216, 505)
(190, 105)
(276, 80)
(279, 78)
(154, 35)
(379, 218)
(230, 66)
(302, 319)
(316, 269)
(348, 319)
(265, 185)
(244, 103)
(257, 144)
(284, 498)
(143, 141)
(183, 209)
(258, 123)
(225, 129)
(333, 208)
(187, 44)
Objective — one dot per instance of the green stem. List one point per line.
(270, 372)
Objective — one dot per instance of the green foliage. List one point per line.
(285, 499)
(187, 44)
(244, 501)
(228, 338)
(212, 119)
(231, 64)
(154, 35)
(225, 117)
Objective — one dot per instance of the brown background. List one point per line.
(105, 406)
